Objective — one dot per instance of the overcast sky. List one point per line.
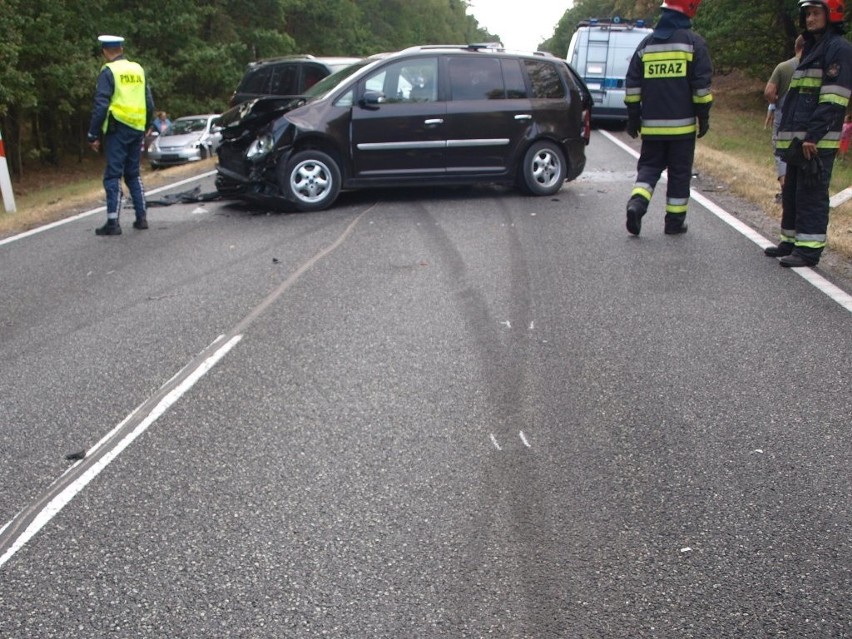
(520, 24)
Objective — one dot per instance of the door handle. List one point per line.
(523, 116)
(433, 122)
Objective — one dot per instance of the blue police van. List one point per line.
(600, 51)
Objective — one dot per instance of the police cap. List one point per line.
(111, 41)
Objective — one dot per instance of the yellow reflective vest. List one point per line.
(128, 100)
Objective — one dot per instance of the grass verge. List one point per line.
(50, 194)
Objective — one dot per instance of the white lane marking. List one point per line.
(494, 441)
(100, 209)
(524, 439)
(65, 496)
(43, 514)
(808, 274)
(507, 323)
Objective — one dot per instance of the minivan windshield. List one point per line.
(330, 82)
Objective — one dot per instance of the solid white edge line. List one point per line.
(63, 498)
(79, 216)
(808, 274)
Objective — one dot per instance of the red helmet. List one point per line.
(686, 7)
(834, 9)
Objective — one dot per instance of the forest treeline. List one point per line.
(195, 53)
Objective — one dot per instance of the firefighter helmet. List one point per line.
(834, 9)
(686, 7)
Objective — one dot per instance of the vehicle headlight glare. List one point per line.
(260, 147)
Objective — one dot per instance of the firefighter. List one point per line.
(123, 107)
(809, 132)
(668, 101)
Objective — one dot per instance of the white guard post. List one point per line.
(6, 181)
(839, 198)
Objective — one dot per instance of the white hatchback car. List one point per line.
(189, 139)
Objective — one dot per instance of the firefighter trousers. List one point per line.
(675, 155)
(805, 207)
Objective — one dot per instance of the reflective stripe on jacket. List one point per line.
(668, 84)
(128, 100)
(819, 93)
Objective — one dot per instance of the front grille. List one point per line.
(232, 157)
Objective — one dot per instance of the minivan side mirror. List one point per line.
(372, 99)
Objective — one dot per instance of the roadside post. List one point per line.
(839, 198)
(6, 181)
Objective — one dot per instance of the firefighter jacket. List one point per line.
(668, 83)
(819, 93)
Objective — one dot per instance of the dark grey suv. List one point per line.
(289, 75)
(425, 115)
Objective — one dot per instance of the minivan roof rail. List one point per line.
(473, 46)
(615, 21)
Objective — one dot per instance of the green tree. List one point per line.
(750, 36)
(586, 9)
(193, 53)
(17, 87)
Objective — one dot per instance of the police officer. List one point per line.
(811, 124)
(122, 110)
(667, 89)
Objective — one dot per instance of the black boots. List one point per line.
(796, 260)
(110, 228)
(636, 208)
(675, 229)
(790, 257)
(784, 248)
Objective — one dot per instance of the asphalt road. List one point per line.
(422, 413)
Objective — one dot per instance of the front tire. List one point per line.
(311, 180)
(544, 169)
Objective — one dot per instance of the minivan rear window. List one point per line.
(256, 81)
(545, 78)
(285, 80)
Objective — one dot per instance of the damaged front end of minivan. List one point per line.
(254, 137)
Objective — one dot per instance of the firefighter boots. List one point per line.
(795, 260)
(636, 208)
(783, 249)
(675, 229)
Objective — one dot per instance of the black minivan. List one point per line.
(427, 115)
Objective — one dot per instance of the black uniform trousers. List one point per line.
(676, 155)
(805, 208)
